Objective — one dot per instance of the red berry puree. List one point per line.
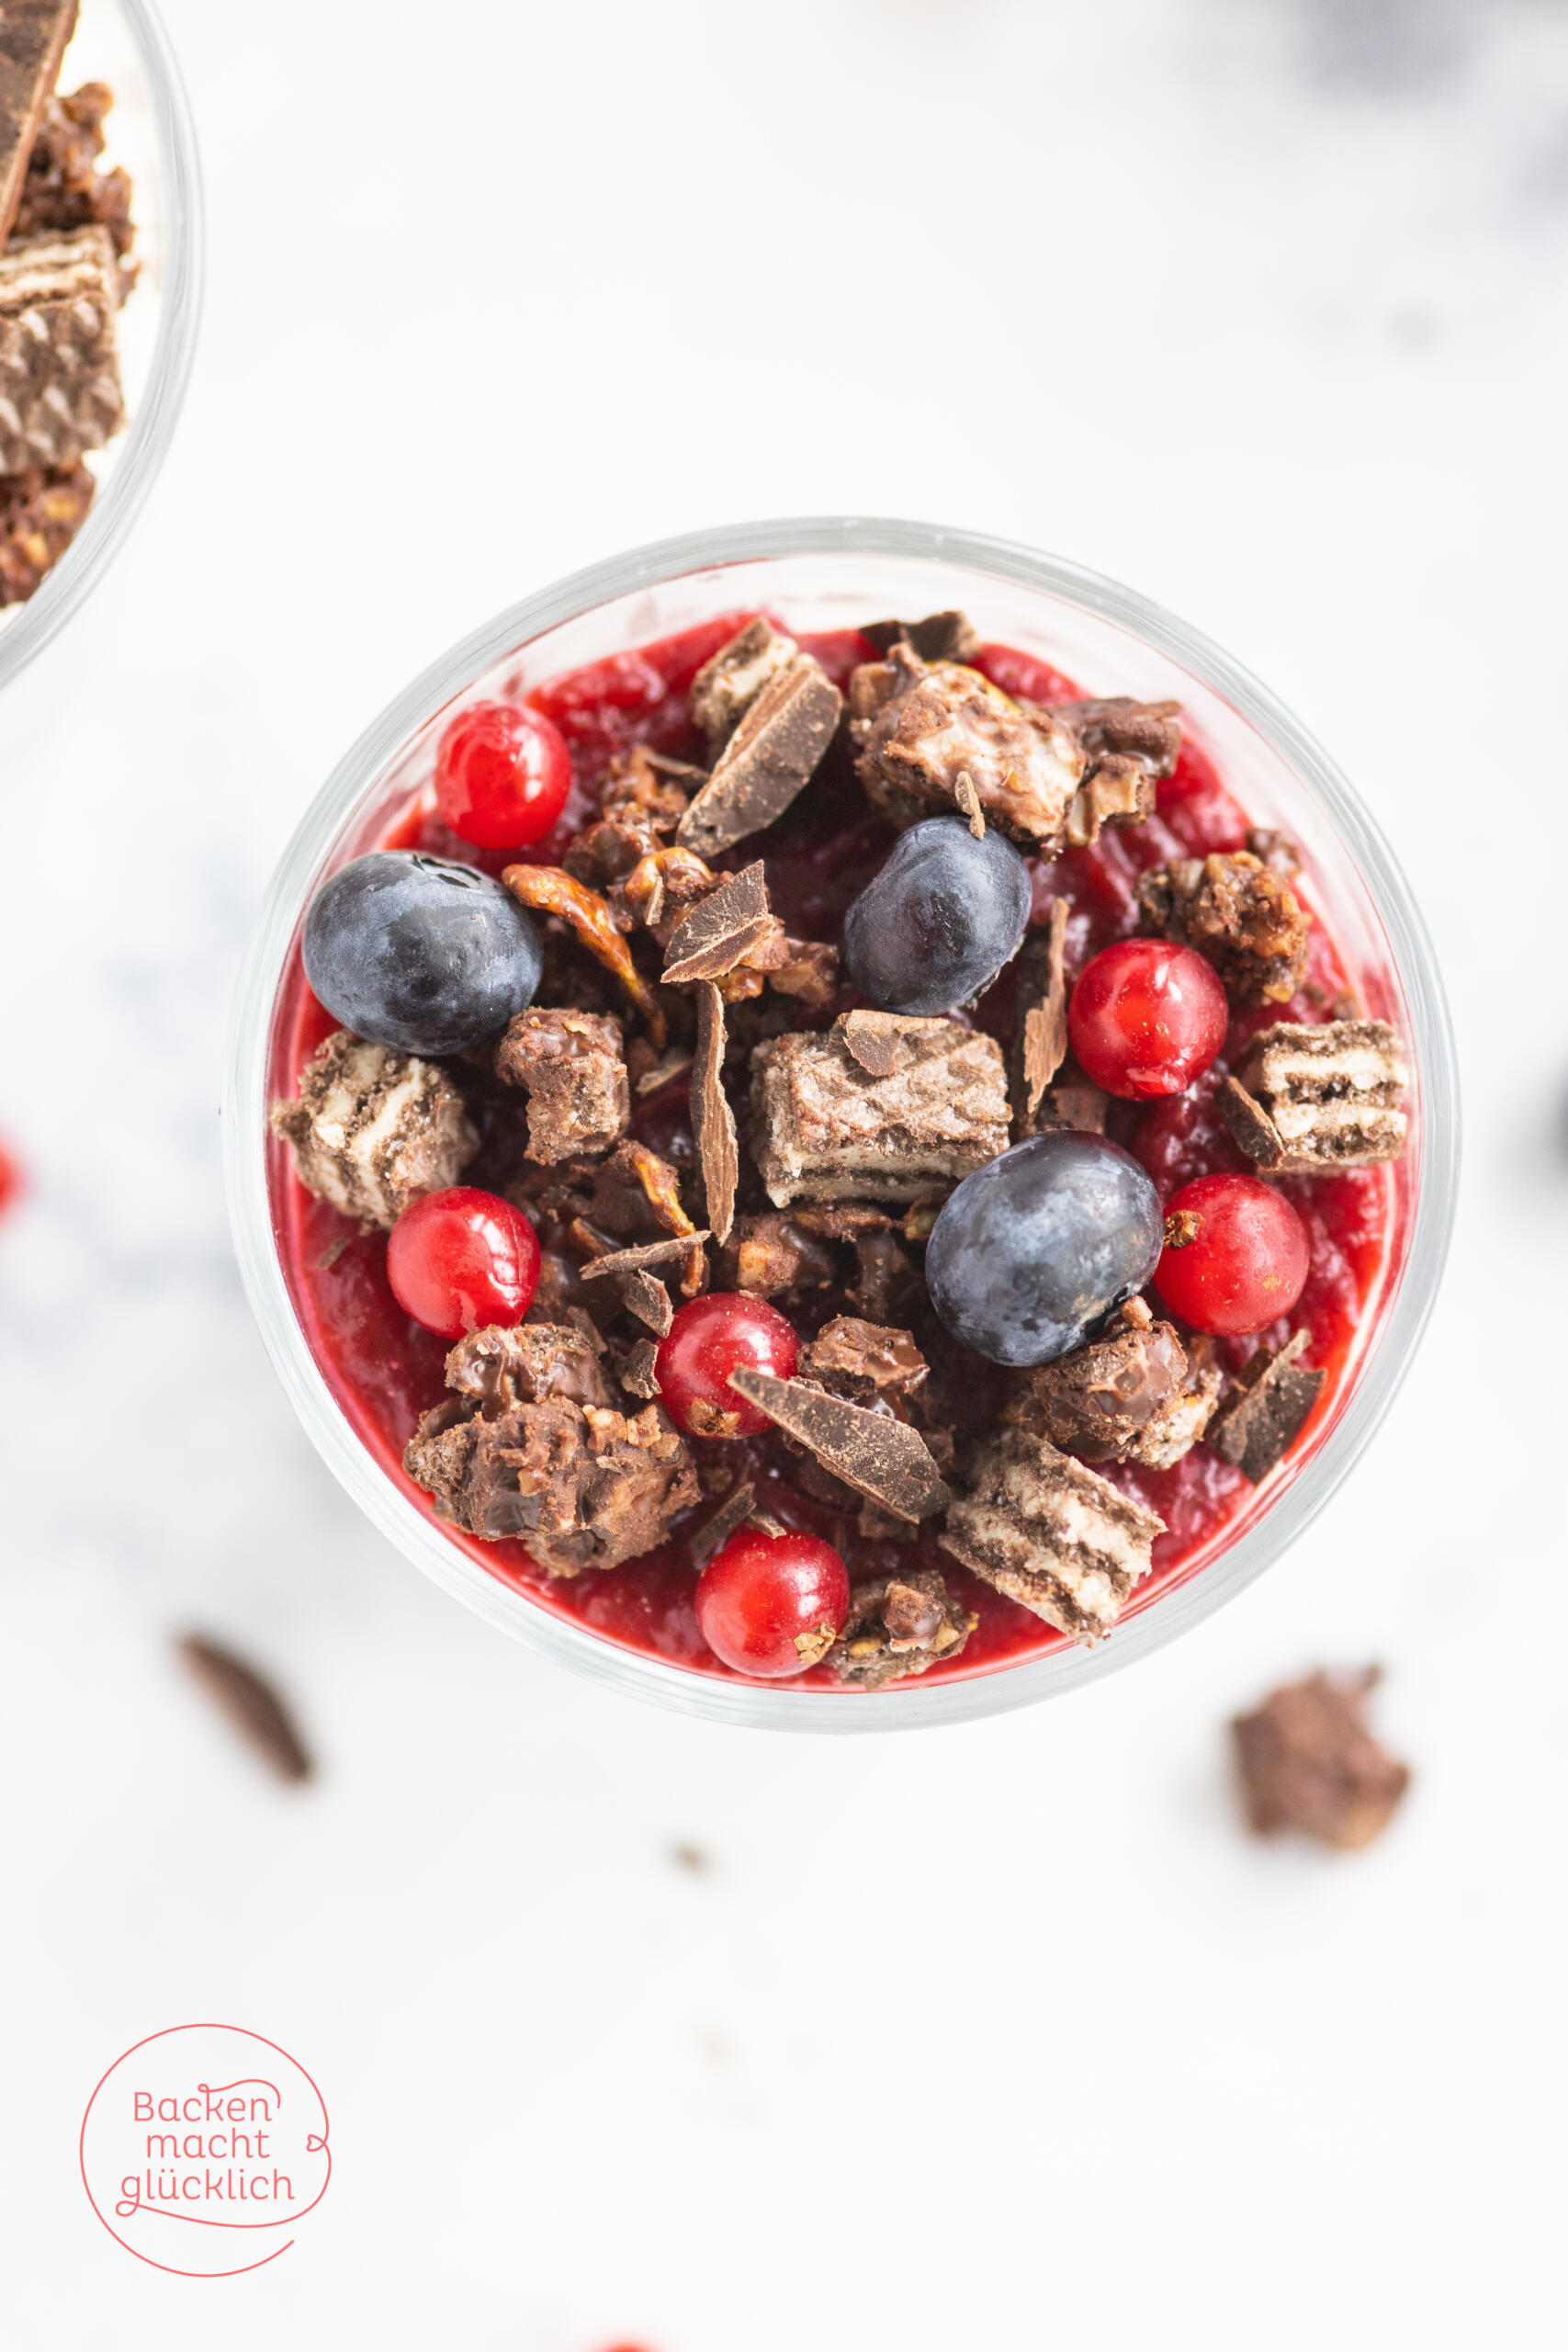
(1256, 1251)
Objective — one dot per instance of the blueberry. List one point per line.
(939, 921)
(1036, 1246)
(408, 951)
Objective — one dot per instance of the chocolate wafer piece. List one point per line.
(869, 1450)
(33, 38)
(1051, 1534)
(771, 757)
(60, 392)
(1328, 1092)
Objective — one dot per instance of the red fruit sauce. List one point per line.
(385, 1371)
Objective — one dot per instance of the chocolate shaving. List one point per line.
(766, 1524)
(1256, 1429)
(646, 1299)
(645, 1253)
(968, 800)
(662, 1073)
(550, 890)
(940, 637)
(1045, 1024)
(716, 935)
(251, 1703)
(715, 1533)
(713, 1120)
(638, 1375)
(869, 1450)
(872, 1039)
(1250, 1127)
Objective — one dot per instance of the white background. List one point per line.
(993, 2037)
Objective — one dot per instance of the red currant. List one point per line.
(10, 1180)
(708, 1337)
(503, 774)
(1245, 1265)
(1147, 1017)
(773, 1605)
(461, 1259)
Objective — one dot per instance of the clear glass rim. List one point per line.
(152, 428)
(1166, 1618)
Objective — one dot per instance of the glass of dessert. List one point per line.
(841, 1124)
(100, 235)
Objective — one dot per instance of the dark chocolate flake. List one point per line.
(647, 1253)
(638, 1375)
(713, 1120)
(968, 800)
(1250, 1127)
(715, 1533)
(771, 757)
(869, 1450)
(720, 929)
(1258, 1427)
(648, 1299)
(252, 1705)
(872, 1039)
(1045, 1022)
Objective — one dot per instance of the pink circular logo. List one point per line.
(203, 2148)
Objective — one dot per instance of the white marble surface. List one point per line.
(997, 2037)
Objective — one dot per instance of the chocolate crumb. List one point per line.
(869, 1450)
(638, 1375)
(715, 1533)
(714, 937)
(254, 1707)
(713, 1120)
(872, 1039)
(968, 800)
(1309, 1762)
(765, 1524)
(695, 1859)
(1277, 1394)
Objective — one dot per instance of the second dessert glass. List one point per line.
(834, 573)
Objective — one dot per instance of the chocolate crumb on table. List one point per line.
(374, 1130)
(570, 1067)
(1239, 913)
(1308, 1761)
(251, 1703)
(899, 1625)
(1051, 1534)
(825, 1128)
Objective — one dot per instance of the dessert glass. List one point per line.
(122, 43)
(821, 574)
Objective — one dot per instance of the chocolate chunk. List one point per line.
(570, 1065)
(1097, 1402)
(715, 936)
(643, 799)
(725, 688)
(645, 1253)
(825, 1128)
(373, 1130)
(1073, 1103)
(1248, 1124)
(582, 1487)
(1239, 913)
(771, 757)
(249, 1700)
(770, 1253)
(60, 392)
(940, 637)
(899, 1625)
(65, 189)
(862, 1361)
(1258, 1425)
(869, 1450)
(498, 1366)
(872, 1039)
(1116, 791)
(1309, 1762)
(1116, 726)
(1042, 1003)
(41, 513)
(968, 800)
(33, 36)
(715, 1533)
(885, 1283)
(638, 1373)
(713, 1120)
(918, 728)
(1328, 1091)
(1051, 1534)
